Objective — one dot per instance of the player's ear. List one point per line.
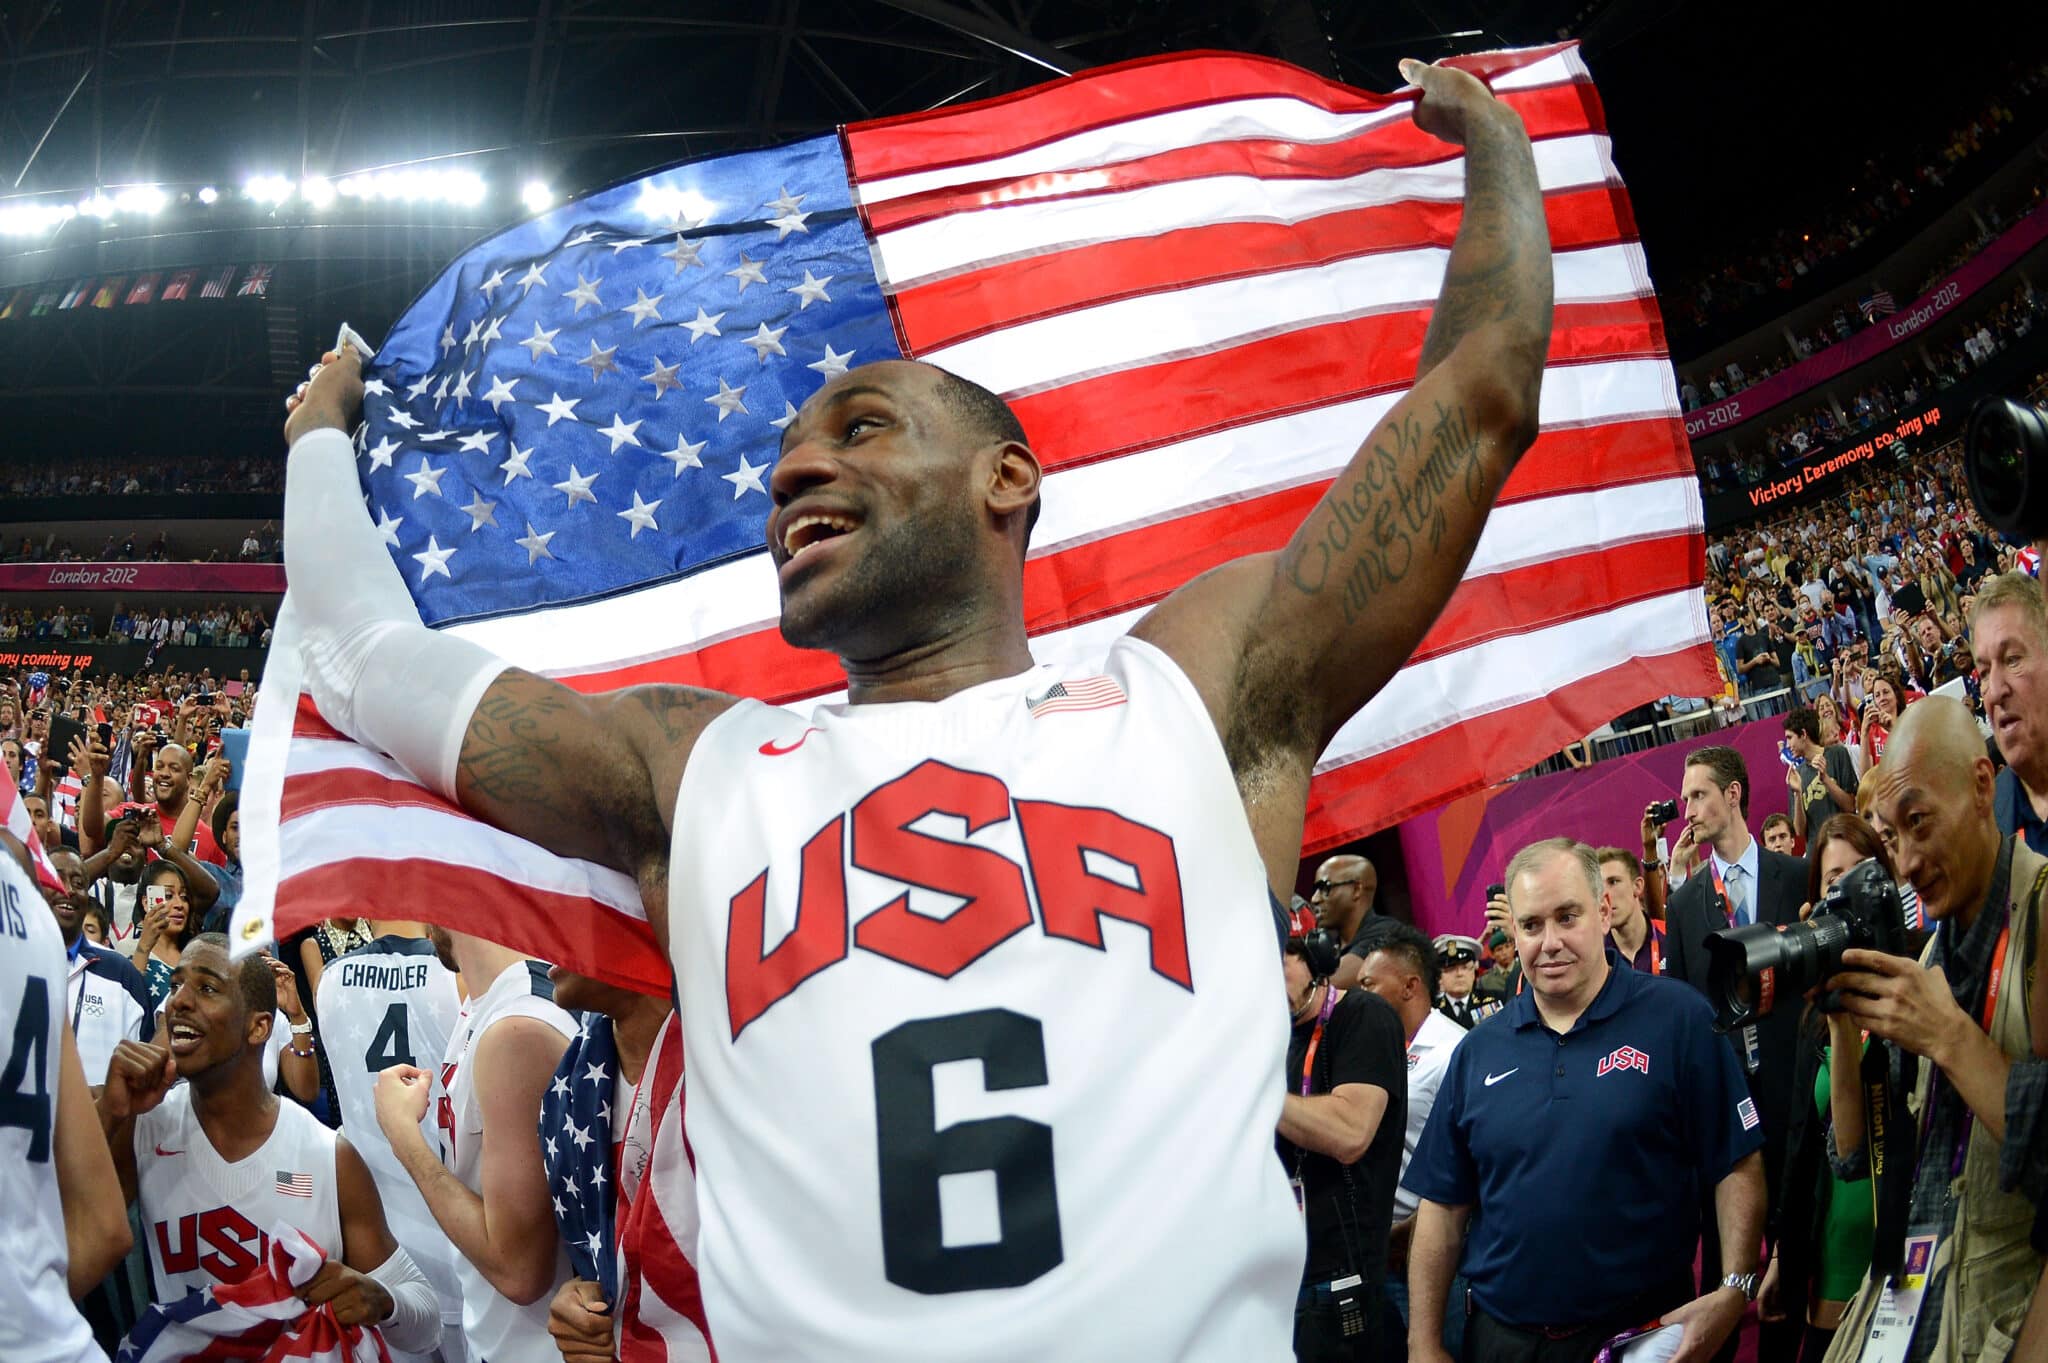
(260, 1023)
(1013, 480)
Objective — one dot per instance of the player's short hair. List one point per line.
(250, 974)
(1538, 854)
(1805, 721)
(1623, 855)
(1406, 941)
(983, 413)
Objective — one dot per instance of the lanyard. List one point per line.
(1315, 1039)
(1991, 988)
(1656, 953)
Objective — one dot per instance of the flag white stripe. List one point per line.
(1081, 504)
(955, 242)
(1131, 332)
(1276, 116)
(361, 833)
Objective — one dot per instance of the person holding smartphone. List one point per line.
(168, 923)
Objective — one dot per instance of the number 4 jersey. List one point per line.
(389, 1003)
(984, 1025)
(38, 1323)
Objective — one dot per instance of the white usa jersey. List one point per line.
(497, 1329)
(38, 1323)
(985, 1029)
(389, 1003)
(208, 1221)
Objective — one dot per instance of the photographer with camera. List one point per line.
(1341, 1129)
(1963, 1009)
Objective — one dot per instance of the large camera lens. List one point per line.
(1750, 970)
(2005, 457)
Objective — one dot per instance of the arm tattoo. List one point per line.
(1499, 271)
(1380, 521)
(673, 710)
(513, 752)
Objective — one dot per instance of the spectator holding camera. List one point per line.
(1341, 1127)
(1963, 1009)
(1822, 778)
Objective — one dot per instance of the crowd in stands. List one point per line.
(138, 477)
(1748, 461)
(215, 625)
(260, 544)
(1885, 189)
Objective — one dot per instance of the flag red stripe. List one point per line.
(1547, 111)
(599, 941)
(1081, 583)
(944, 311)
(1296, 371)
(1011, 123)
(1383, 789)
(310, 791)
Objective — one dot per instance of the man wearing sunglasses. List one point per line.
(1344, 891)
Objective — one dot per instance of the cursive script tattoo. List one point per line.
(1389, 509)
(513, 751)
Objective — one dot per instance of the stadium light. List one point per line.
(316, 191)
(97, 205)
(143, 199)
(209, 195)
(667, 204)
(267, 189)
(32, 219)
(537, 197)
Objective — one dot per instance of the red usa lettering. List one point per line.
(235, 1246)
(1627, 1058)
(876, 836)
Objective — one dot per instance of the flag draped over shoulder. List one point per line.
(1200, 280)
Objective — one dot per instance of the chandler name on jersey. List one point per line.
(985, 1029)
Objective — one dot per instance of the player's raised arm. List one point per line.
(1286, 647)
(584, 776)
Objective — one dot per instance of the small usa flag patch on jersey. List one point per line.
(1746, 1109)
(1081, 693)
(294, 1185)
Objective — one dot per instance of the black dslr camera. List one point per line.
(2005, 459)
(1749, 969)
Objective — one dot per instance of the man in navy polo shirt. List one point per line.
(1575, 1135)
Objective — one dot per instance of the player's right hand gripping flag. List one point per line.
(1199, 280)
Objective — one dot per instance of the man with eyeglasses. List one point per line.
(1344, 890)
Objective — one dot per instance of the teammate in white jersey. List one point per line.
(64, 1226)
(948, 870)
(213, 1163)
(393, 1003)
(486, 1186)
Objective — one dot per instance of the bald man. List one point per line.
(1963, 1009)
(170, 786)
(1344, 891)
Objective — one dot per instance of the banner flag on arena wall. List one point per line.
(77, 294)
(1199, 279)
(17, 305)
(256, 283)
(145, 288)
(109, 291)
(46, 301)
(217, 285)
(180, 284)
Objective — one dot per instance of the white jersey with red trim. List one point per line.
(208, 1221)
(497, 1329)
(984, 1029)
(388, 1003)
(38, 1323)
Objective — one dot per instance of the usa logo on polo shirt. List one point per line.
(1746, 1109)
(1627, 1058)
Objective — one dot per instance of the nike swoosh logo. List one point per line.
(1493, 1079)
(773, 749)
(161, 1151)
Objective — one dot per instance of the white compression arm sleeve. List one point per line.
(414, 1325)
(376, 672)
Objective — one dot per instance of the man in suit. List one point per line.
(1739, 881)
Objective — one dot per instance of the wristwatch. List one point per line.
(302, 1028)
(1745, 1283)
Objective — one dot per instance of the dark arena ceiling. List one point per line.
(141, 135)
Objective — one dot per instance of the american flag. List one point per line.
(260, 1317)
(1082, 693)
(216, 285)
(294, 1185)
(1876, 305)
(1199, 280)
(579, 1156)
